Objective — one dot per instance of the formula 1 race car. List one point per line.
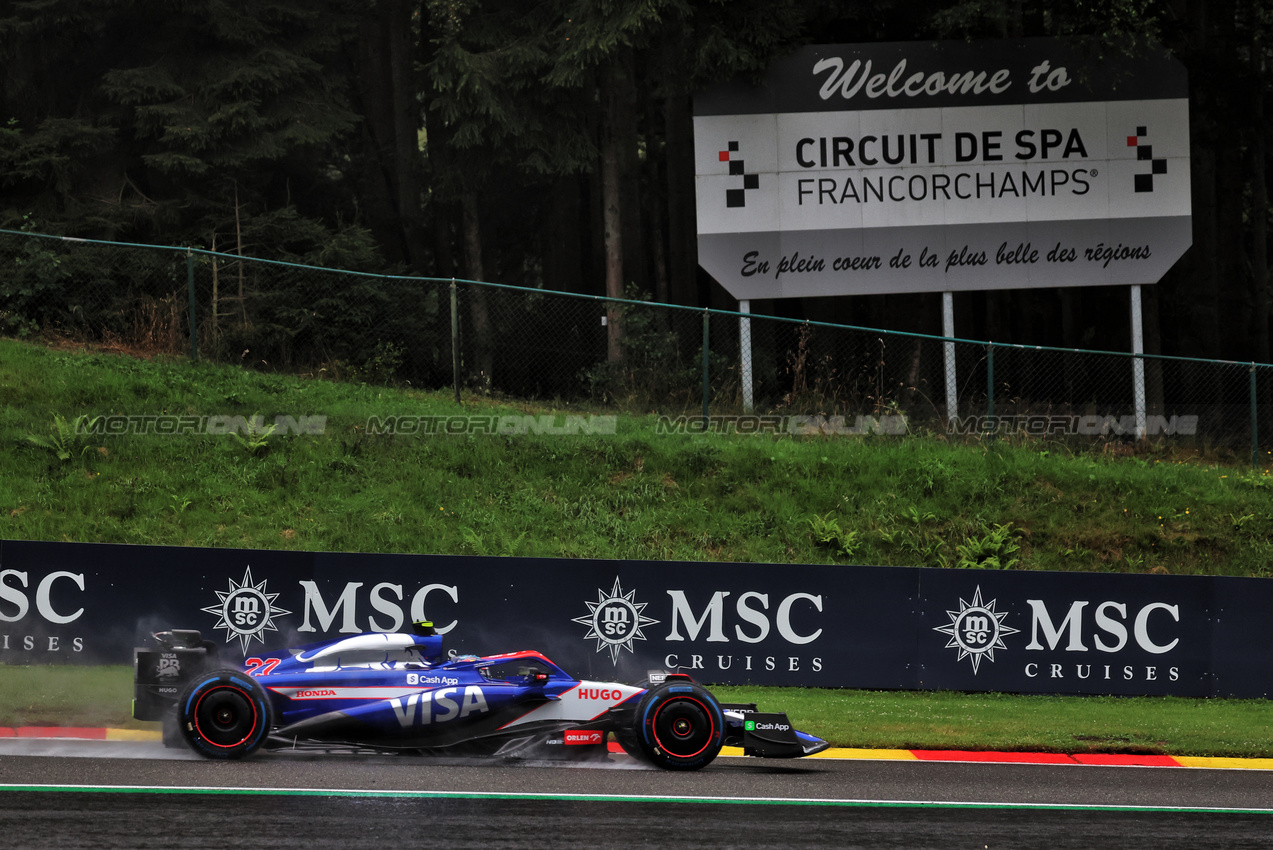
(398, 692)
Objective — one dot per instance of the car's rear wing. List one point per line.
(160, 673)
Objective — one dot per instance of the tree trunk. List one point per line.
(561, 251)
(479, 310)
(216, 291)
(636, 270)
(682, 225)
(1259, 210)
(1155, 400)
(387, 88)
(611, 200)
(406, 131)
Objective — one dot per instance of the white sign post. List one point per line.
(948, 331)
(1138, 363)
(943, 167)
(744, 354)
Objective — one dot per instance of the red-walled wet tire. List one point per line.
(680, 726)
(224, 714)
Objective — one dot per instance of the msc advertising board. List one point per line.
(919, 167)
(790, 624)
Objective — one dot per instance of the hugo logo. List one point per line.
(607, 694)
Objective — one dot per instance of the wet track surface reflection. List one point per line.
(107, 820)
(145, 796)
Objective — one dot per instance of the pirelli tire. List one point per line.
(679, 726)
(224, 714)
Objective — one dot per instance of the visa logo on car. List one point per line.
(438, 706)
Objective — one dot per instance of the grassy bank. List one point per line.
(918, 501)
(1063, 724)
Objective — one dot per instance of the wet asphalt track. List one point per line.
(346, 801)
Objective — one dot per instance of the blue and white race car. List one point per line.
(399, 692)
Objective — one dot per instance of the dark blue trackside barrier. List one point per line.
(826, 626)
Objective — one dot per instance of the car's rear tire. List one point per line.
(224, 714)
(679, 726)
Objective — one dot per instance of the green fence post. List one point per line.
(455, 341)
(707, 316)
(194, 325)
(990, 380)
(1255, 424)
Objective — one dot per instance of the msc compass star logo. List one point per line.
(615, 620)
(246, 611)
(976, 630)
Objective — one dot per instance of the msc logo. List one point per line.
(246, 611)
(738, 197)
(615, 620)
(976, 630)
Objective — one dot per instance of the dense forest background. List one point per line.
(548, 143)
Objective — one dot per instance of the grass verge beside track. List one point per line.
(66, 695)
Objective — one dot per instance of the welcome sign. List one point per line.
(913, 167)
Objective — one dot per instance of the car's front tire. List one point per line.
(680, 726)
(224, 714)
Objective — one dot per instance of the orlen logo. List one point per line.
(584, 737)
(604, 694)
(317, 693)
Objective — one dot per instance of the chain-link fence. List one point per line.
(700, 369)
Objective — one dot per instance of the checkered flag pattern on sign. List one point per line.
(1145, 152)
(738, 197)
